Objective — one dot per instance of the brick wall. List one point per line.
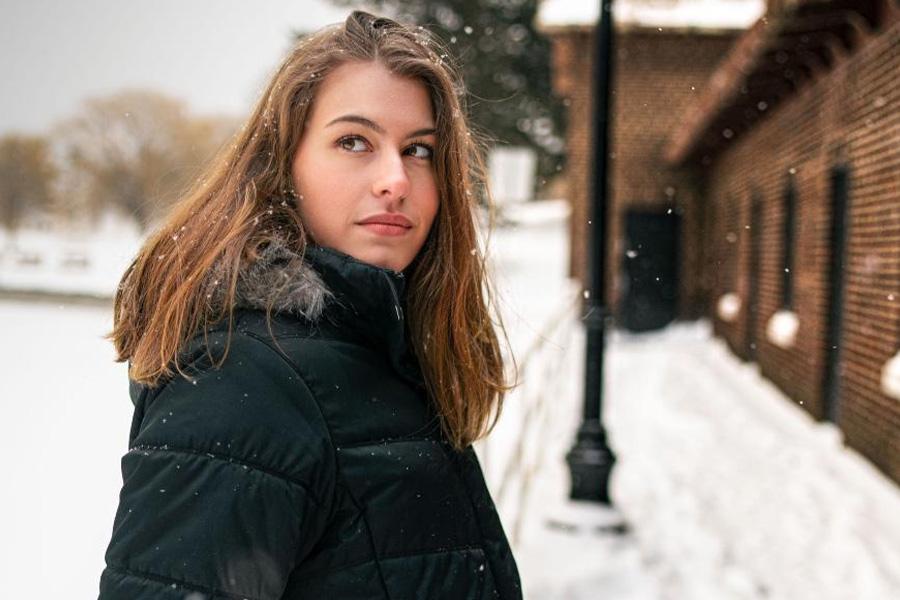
(657, 74)
(850, 115)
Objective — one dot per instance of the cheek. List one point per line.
(305, 165)
(314, 181)
(432, 204)
(319, 176)
(432, 214)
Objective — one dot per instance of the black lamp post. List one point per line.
(590, 459)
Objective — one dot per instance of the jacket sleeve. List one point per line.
(226, 485)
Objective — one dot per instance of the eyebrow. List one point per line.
(376, 127)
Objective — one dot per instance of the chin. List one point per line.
(383, 259)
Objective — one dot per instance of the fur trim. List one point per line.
(279, 280)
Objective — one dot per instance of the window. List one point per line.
(788, 242)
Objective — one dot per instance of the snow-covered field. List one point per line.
(83, 261)
(64, 423)
(728, 490)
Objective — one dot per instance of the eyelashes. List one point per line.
(342, 142)
(350, 139)
(425, 145)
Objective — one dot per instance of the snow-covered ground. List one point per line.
(728, 490)
(83, 261)
(64, 421)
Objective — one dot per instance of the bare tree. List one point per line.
(136, 151)
(26, 178)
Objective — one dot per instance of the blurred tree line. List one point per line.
(506, 64)
(26, 177)
(134, 152)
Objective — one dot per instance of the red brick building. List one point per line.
(784, 164)
(661, 65)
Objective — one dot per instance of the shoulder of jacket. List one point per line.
(251, 407)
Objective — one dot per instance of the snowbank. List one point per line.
(666, 14)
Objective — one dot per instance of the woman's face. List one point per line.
(363, 170)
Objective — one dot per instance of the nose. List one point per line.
(391, 180)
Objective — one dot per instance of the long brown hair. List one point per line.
(239, 206)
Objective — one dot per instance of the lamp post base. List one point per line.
(590, 464)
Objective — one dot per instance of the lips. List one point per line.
(394, 219)
(390, 224)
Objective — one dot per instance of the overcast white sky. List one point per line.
(215, 54)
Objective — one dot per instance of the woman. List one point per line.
(311, 351)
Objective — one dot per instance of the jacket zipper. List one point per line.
(397, 308)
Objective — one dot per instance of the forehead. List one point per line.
(369, 89)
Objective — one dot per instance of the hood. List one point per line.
(281, 280)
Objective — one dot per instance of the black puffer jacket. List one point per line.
(312, 466)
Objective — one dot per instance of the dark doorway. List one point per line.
(651, 270)
(840, 224)
(753, 274)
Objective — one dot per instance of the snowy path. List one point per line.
(730, 491)
(738, 493)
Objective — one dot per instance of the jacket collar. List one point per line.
(373, 294)
(325, 285)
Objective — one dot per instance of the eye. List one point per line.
(425, 151)
(352, 143)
